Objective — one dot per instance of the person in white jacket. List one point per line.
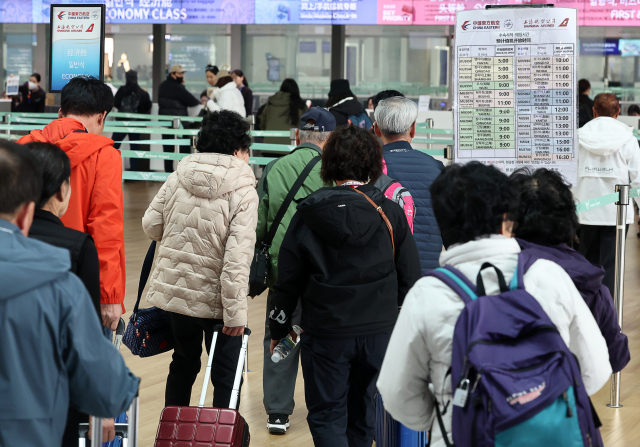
(204, 219)
(608, 155)
(226, 96)
(473, 204)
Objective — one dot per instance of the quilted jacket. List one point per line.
(205, 218)
(416, 172)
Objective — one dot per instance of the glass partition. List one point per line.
(272, 53)
(196, 46)
(131, 49)
(411, 59)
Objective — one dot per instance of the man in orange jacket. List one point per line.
(96, 205)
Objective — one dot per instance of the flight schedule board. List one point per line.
(515, 95)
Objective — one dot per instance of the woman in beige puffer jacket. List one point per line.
(205, 218)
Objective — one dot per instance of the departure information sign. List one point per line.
(77, 43)
(515, 98)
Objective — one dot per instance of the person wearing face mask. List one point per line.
(174, 99)
(33, 96)
(96, 205)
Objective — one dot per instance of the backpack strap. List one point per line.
(443, 430)
(268, 239)
(459, 283)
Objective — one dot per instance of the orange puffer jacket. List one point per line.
(96, 205)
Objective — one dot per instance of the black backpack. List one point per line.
(129, 103)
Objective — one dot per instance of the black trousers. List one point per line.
(168, 164)
(185, 365)
(339, 386)
(136, 164)
(598, 245)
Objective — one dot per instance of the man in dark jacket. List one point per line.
(350, 256)
(131, 98)
(174, 99)
(279, 379)
(547, 222)
(395, 125)
(53, 350)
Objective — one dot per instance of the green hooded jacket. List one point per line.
(275, 116)
(277, 179)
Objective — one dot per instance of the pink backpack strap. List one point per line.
(399, 194)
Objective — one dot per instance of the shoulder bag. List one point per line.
(260, 266)
(148, 332)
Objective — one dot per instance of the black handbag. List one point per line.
(148, 332)
(260, 266)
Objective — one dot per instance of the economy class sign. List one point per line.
(77, 43)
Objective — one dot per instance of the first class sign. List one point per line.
(77, 43)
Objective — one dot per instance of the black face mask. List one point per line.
(179, 79)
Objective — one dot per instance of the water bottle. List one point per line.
(286, 345)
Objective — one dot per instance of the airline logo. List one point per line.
(565, 22)
(61, 15)
(465, 25)
(89, 29)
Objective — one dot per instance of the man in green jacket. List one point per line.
(279, 379)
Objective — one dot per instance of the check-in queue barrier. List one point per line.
(621, 235)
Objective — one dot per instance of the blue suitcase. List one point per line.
(391, 433)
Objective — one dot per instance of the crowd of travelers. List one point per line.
(385, 289)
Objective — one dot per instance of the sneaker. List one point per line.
(278, 423)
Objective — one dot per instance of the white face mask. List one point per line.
(33, 86)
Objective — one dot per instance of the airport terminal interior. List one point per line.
(374, 53)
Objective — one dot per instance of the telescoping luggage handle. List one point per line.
(235, 394)
(128, 430)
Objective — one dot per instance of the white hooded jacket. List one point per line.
(421, 344)
(228, 97)
(205, 218)
(608, 155)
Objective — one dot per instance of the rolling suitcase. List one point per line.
(207, 427)
(126, 427)
(391, 433)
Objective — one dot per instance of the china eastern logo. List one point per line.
(61, 15)
(465, 25)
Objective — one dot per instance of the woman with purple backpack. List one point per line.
(545, 228)
(431, 372)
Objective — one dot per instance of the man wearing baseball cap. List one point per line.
(279, 379)
(174, 99)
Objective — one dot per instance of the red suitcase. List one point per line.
(207, 427)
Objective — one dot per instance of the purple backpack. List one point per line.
(514, 380)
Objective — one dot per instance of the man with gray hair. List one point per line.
(279, 379)
(395, 125)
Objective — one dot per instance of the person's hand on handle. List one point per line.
(235, 331)
(108, 429)
(111, 314)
